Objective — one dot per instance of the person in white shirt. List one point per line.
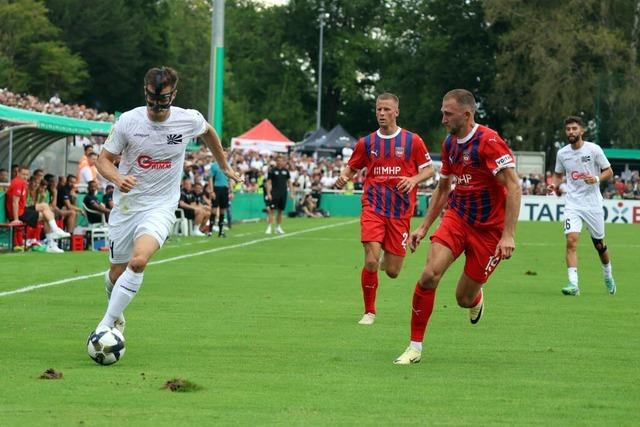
(89, 172)
(151, 143)
(584, 166)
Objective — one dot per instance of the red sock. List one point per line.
(369, 283)
(421, 311)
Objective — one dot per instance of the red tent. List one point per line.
(261, 137)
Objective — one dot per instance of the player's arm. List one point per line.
(15, 207)
(436, 205)
(408, 183)
(345, 176)
(509, 178)
(108, 170)
(212, 141)
(554, 187)
(267, 188)
(605, 174)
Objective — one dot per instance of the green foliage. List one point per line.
(32, 59)
(561, 58)
(528, 63)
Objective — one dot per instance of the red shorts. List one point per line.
(392, 233)
(478, 245)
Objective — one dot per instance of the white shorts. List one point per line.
(594, 219)
(124, 228)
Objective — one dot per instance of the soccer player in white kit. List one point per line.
(584, 165)
(151, 143)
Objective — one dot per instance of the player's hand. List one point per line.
(591, 180)
(406, 184)
(15, 222)
(126, 183)
(268, 197)
(341, 182)
(505, 247)
(231, 174)
(416, 237)
(551, 188)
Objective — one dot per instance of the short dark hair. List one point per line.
(168, 77)
(463, 97)
(574, 119)
(389, 96)
(86, 147)
(92, 155)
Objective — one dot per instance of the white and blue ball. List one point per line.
(105, 345)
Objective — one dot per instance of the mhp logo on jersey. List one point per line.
(174, 139)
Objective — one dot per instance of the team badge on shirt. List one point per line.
(466, 158)
(174, 139)
(399, 151)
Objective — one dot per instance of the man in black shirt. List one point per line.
(277, 185)
(66, 203)
(192, 210)
(107, 197)
(91, 202)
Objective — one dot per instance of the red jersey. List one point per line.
(18, 187)
(478, 197)
(388, 157)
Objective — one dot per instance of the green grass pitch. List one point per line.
(267, 329)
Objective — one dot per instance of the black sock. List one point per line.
(221, 223)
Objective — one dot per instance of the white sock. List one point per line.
(606, 270)
(53, 225)
(123, 292)
(417, 345)
(107, 284)
(573, 275)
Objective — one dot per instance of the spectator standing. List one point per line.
(222, 193)
(277, 186)
(89, 172)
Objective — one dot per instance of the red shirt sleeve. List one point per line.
(445, 168)
(359, 158)
(420, 153)
(496, 154)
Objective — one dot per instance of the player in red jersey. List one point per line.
(396, 161)
(480, 220)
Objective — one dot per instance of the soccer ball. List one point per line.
(105, 345)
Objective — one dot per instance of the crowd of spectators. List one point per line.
(54, 106)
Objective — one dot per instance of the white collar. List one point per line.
(396, 133)
(469, 135)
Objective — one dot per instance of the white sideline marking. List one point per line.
(175, 258)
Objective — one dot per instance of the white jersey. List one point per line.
(153, 152)
(588, 160)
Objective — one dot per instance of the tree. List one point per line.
(32, 58)
(561, 58)
(431, 48)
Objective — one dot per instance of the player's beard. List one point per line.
(573, 139)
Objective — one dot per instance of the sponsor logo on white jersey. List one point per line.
(146, 162)
(577, 175)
